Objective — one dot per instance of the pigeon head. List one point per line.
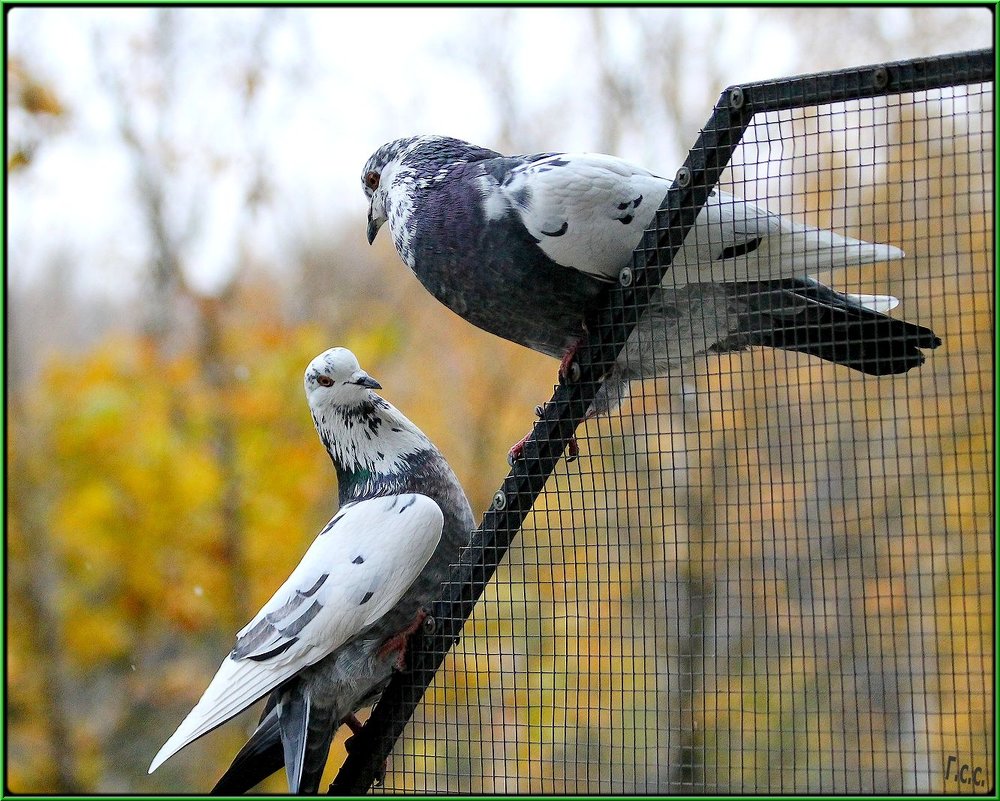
(372, 444)
(377, 177)
(334, 378)
(403, 165)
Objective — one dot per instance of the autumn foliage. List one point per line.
(767, 573)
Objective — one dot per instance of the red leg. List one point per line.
(572, 449)
(398, 641)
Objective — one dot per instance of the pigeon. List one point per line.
(526, 246)
(328, 641)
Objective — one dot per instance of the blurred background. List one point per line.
(186, 231)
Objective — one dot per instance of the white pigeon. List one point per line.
(327, 641)
(355, 571)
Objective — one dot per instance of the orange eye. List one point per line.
(371, 180)
(324, 381)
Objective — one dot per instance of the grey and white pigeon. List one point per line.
(327, 642)
(525, 246)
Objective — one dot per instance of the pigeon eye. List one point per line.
(324, 381)
(371, 180)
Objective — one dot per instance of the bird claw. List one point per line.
(517, 452)
(569, 370)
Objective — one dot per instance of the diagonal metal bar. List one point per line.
(615, 322)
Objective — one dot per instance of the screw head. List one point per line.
(683, 177)
(880, 78)
(625, 276)
(500, 500)
(736, 97)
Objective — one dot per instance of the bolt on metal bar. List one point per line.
(615, 322)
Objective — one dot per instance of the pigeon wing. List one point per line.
(355, 571)
(586, 210)
(736, 240)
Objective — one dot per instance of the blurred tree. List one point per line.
(35, 112)
(700, 601)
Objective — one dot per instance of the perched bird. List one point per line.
(327, 642)
(525, 246)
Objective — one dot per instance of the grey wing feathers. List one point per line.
(278, 630)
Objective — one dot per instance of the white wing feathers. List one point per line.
(354, 572)
(588, 211)
(735, 240)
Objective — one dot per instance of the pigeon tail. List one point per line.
(307, 730)
(237, 685)
(259, 758)
(803, 315)
(293, 721)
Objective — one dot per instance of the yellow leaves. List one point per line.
(20, 157)
(95, 637)
(29, 92)
(37, 98)
(88, 509)
(376, 344)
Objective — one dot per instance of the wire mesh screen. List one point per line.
(766, 572)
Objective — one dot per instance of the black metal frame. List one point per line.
(615, 322)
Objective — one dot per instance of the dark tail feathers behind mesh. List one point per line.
(801, 314)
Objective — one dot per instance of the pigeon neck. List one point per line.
(371, 446)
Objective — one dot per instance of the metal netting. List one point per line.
(765, 572)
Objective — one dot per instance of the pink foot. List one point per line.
(515, 453)
(567, 362)
(397, 643)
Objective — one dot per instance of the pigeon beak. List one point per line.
(365, 380)
(373, 226)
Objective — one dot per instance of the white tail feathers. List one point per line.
(878, 303)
